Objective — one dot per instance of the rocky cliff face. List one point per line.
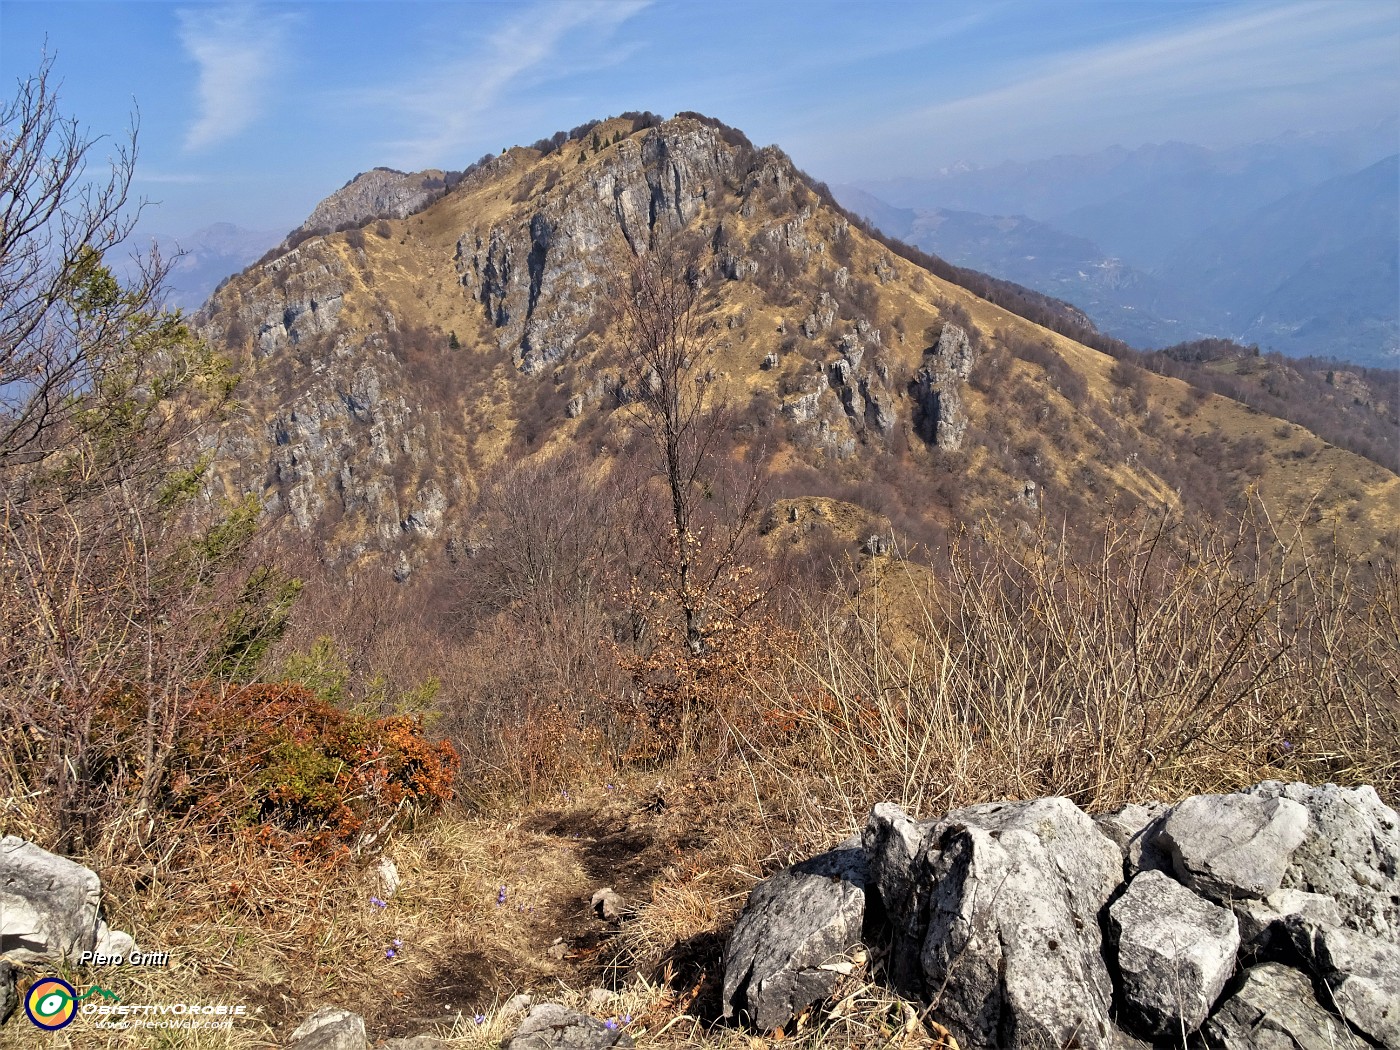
(539, 273)
(381, 193)
(385, 368)
(335, 434)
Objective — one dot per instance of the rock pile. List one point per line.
(1270, 917)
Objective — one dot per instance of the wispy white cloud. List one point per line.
(1259, 49)
(1241, 74)
(238, 49)
(443, 106)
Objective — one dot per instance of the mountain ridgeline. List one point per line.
(391, 366)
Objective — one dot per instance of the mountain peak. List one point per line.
(390, 368)
(377, 193)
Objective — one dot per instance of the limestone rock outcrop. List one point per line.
(550, 1026)
(335, 1028)
(1174, 951)
(1015, 949)
(51, 907)
(798, 926)
(1362, 974)
(1350, 852)
(9, 996)
(1274, 1007)
(1028, 924)
(330, 1028)
(379, 193)
(937, 389)
(1228, 847)
(541, 275)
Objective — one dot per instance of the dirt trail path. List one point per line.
(545, 931)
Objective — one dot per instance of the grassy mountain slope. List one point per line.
(369, 430)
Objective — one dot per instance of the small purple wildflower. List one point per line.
(626, 1018)
(398, 943)
(501, 897)
(388, 953)
(610, 1025)
(480, 1018)
(1287, 746)
(377, 902)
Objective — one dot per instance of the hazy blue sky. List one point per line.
(253, 112)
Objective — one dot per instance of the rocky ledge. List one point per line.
(1267, 918)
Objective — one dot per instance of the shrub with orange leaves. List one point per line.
(279, 761)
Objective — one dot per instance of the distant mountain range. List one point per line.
(1293, 244)
(208, 255)
(1315, 271)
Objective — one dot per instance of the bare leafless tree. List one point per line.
(64, 321)
(552, 528)
(116, 597)
(665, 339)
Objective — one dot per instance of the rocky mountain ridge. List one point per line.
(381, 193)
(385, 368)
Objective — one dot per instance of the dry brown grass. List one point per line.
(1168, 662)
(1171, 662)
(283, 936)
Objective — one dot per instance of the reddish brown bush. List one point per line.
(280, 762)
